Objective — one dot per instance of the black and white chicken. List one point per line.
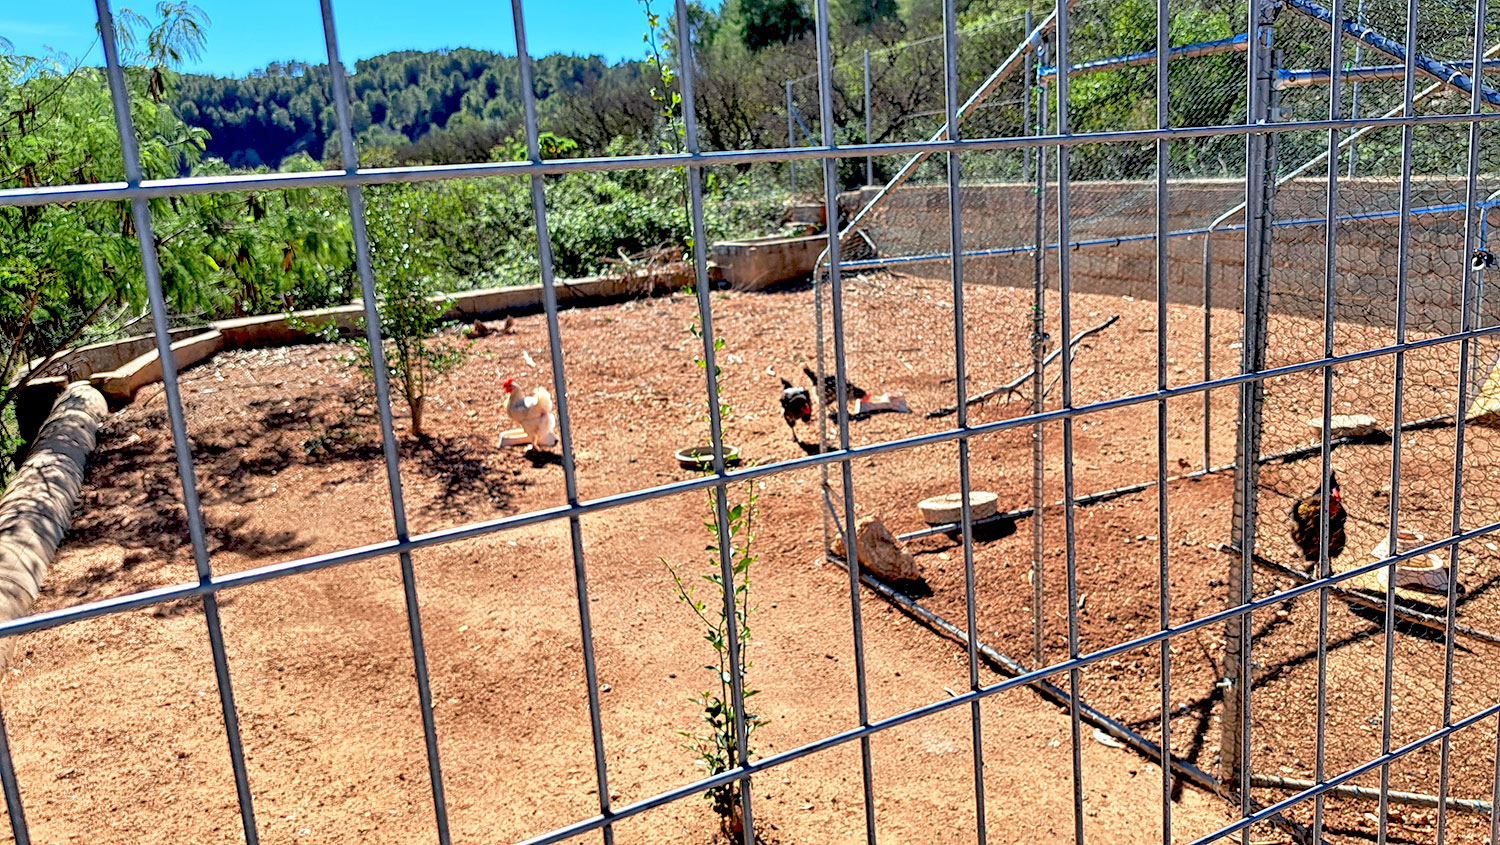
(796, 406)
(831, 389)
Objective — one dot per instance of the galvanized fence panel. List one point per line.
(1352, 246)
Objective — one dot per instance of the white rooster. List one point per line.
(532, 412)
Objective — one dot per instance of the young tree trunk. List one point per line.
(415, 403)
(734, 823)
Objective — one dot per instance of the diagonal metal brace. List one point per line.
(1440, 71)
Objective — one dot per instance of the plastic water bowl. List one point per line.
(702, 457)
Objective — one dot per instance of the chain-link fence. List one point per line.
(1406, 219)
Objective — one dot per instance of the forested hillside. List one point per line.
(460, 105)
(457, 105)
(403, 97)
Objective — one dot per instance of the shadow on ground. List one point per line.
(133, 494)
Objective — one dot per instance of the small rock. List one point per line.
(880, 551)
(1347, 425)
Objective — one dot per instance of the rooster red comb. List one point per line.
(508, 384)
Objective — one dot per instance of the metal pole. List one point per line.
(1403, 292)
(1164, 592)
(1443, 72)
(140, 211)
(869, 160)
(841, 395)
(1065, 317)
(1038, 353)
(373, 336)
(1028, 81)
(1325, 444)
(1476, 308)
(564, 422)
(729, 593)
(1259, 185)
(1415, 799)
(1334, 62)
(791, 137)
(960, 376)
(1145, 58)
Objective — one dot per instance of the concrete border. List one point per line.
(37, 506)
(118, 369)
(758, 263)
(119, 385)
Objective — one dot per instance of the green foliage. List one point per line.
(663, 92)
(408, 274)
(444, 106)
(74, 272)
(714, 742)
(766, 23)
(548, 144)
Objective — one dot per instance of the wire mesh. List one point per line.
(1144, 246)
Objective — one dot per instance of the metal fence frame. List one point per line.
(352, 178)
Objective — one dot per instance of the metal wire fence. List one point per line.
(1347, 287)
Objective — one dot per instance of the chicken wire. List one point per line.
(1092, 201)
(1113, 242)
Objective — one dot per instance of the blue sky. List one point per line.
(247, 34)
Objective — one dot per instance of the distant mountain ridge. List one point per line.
(399, 99)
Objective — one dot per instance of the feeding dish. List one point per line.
(702, 457)
(514, 437)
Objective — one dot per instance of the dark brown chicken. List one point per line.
(796, 406)
(831, 389)
(1305, 522)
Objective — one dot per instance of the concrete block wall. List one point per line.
(914, 220)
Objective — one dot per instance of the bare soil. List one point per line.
(289, 465)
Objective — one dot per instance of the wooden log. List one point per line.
(37, 506)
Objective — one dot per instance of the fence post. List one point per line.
(1260, 185)
(791, 136)
(1038, 353)
(1359, 54)
(1028, 79)
(869, 162)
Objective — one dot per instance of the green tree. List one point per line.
(763, 23)
(71, 272)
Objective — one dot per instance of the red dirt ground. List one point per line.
(288, 466)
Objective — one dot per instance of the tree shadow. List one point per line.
(465, 480)
(133, 494)
(809, 448)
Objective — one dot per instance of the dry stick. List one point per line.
(1012, 387)
(1072, 353)
(1415, 617)
(19, 342)
(1052, 692)
(1417, 799)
